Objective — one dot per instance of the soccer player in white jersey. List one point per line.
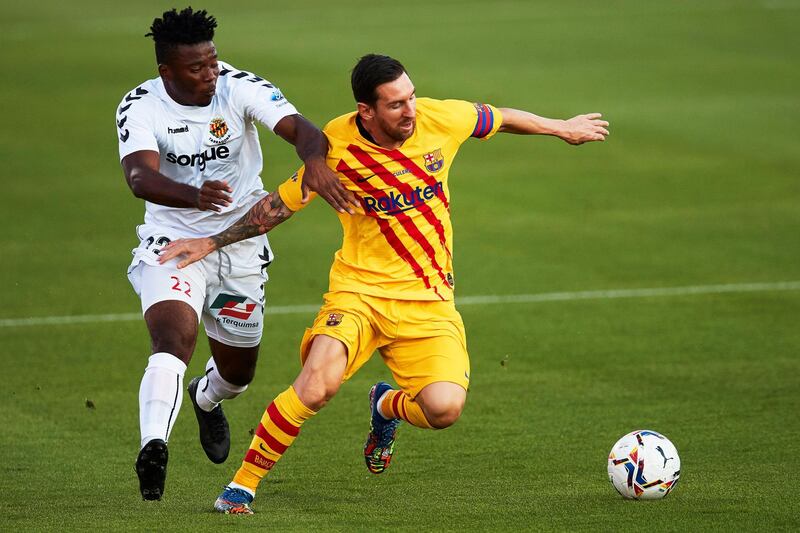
(189, 147)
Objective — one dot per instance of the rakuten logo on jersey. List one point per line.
(199, 159)
(396, 202)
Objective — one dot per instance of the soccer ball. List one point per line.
(644, 465)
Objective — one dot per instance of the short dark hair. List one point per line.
(174, 29)
(371, 71)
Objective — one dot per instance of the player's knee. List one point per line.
(316, 391)
(322, 374)
(178, 343)
(442, 403)
(444, 412)
(173, 328)
(317, 384)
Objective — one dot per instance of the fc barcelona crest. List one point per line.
(434, 161)
(218, 129)
(334, 319)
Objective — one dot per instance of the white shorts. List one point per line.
(226, 288)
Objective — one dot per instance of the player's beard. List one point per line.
(398, 133)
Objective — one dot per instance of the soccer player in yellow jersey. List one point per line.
(391, 283)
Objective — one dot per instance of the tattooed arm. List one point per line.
(261, 218)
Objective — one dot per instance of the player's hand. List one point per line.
(192, 250)
(213, 195)
(585, 128)
(323, 181)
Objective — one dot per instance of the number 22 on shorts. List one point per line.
(181, 286)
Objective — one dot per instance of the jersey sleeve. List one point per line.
(260, 99)
(291, 191)
(471, 119)
(134, 129)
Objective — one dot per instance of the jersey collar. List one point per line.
(363, 131)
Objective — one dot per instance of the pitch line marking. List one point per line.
(464, 300)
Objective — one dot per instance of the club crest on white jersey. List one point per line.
(219, 131)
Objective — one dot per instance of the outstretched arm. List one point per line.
(577, 130)
(312, 147)
(261, 218)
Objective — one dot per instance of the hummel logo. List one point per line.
(266, 258)
(184, 129)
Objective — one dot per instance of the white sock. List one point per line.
(213, 388)
(249, 491)
(160, 396)
(380, 402)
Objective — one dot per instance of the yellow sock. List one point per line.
(277, 430)
(398, 404)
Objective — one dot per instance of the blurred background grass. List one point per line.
(698, 184)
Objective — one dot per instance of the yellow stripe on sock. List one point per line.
(277, 430)
(398, 404)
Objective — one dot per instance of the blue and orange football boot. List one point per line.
(380, 441)
(234, 501)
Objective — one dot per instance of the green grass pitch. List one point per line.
(698, 185)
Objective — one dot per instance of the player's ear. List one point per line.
(163, 71)
(365, 111)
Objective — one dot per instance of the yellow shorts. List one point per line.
(421, 342)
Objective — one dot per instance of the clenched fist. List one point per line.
(213, 195)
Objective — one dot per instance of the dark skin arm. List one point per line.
(142, 174)
(147, 183)
(261, 218)
(312, 148)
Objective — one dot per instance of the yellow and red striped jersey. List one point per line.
(399, 244)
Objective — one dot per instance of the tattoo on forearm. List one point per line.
(261, 218)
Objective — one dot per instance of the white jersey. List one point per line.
(196, 144)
